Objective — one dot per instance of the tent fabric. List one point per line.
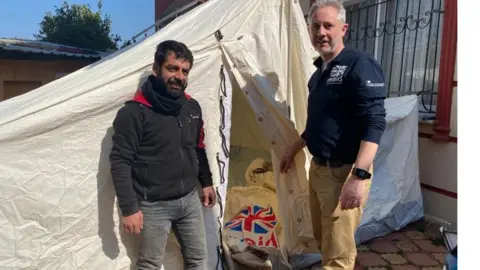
(58, 206)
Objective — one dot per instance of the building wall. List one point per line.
(20, 76)
(438, 168)
(160, 7)
(164, 8)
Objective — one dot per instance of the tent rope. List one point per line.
(222, 93)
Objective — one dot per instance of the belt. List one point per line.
(321, 161)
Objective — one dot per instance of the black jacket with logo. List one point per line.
(157, 156)
(346, 105)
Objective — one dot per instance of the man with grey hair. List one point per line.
(346, 119)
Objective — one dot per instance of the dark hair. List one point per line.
(179, 49)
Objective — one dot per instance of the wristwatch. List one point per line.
(361, 173)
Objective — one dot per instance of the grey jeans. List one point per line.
(185, 217)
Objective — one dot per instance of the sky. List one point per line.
(21, 18)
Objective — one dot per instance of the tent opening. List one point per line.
(251, 208)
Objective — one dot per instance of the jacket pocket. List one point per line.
(139, 172)
(341, 173)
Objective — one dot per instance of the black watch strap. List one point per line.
(361, 173)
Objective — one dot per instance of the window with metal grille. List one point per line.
(405, 37)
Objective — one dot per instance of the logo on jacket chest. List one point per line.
(336, 75)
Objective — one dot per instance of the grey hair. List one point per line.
(342, 14)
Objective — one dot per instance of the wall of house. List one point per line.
(160, 7)
(20, 76)
(438, 168)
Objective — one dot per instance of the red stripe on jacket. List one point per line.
(140, 98)
(201, 138)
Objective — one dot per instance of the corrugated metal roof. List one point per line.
(42, 47)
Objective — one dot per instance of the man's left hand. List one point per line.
(352, 193)
(209, 197)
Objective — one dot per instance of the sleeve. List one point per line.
(204, 173)
(369, 97)
(127, 127)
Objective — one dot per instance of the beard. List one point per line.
(325, 46)
(175, 87)
(329, 48)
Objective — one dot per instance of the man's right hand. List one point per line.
(286, 162)
(133, 223)
(287, 159)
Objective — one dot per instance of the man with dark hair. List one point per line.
(157, 159)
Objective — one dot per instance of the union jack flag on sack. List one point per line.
(254, 225)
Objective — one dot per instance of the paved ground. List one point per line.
(413, 248)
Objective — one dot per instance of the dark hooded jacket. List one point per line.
(158, 150)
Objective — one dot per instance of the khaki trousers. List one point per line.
(334, 229)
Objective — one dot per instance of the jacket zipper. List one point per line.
(181, 152)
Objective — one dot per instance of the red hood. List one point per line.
(140, 98)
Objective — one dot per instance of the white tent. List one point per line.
(252, 63)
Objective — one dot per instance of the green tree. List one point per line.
(126, 43)
(77, 25)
